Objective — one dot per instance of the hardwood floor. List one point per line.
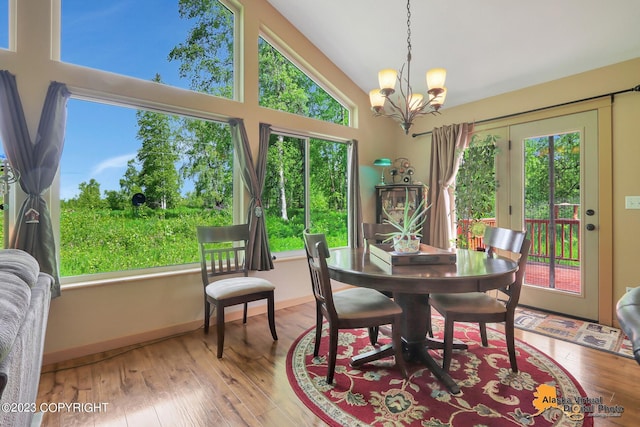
(180, 382)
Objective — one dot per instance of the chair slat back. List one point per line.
(310, 241)
(223, 250)
(513, 291)
(504, 239)
(316, 244)
(375, 233)
(509, 243)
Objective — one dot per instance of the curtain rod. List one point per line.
(535, 110)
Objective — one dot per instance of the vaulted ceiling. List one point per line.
(487, 46)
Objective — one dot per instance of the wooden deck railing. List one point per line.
(567, 238)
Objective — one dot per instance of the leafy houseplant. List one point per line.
(407, 238)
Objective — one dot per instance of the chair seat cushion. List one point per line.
(358, 303)
(236, 286)
(467, 303)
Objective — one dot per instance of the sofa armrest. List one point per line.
(628, 313)
(25, 295)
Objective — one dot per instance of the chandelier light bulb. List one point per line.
(415, 102)
(377, 99)
(436, 78)
(436, 100)
(387, 79)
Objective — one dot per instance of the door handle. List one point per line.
(591, 227)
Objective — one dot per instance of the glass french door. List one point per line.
(553, 195)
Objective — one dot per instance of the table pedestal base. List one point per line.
(412, 353)
(416, 344)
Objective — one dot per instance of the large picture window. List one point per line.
(187, 44)
(134, 185)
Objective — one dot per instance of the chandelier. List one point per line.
(408, 105)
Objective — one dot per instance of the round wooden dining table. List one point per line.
(411, 285)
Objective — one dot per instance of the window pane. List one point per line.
(187, 46)
(285, 190)
(552, 210)
(4, 24)
(328, 186)
(284, 193)
(284, 87)
(134, 184)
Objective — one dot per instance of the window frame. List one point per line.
(238, 47)
(308, 71)
(54, 199)
(306, 138)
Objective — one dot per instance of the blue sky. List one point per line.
(4, 24)
(125, 37)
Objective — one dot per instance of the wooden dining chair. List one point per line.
(352, 308)
(482, 308)
(373, 233)
(223, 253)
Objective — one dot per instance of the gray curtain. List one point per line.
(260, 256)
(37, 162)
(353, 195)
(447, 146)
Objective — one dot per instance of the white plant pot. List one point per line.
(406, 246)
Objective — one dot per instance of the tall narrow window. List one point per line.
(305, 186)
(189, 46)
(135, 183)
(285, 87)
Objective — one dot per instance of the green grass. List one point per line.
(98, 241)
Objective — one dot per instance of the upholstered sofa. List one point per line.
(628, 312)
(25, 294)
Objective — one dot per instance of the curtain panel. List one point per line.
(447, 146)
(37, 162)
(253, 176)
(354, 202)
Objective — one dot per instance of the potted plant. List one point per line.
(409, 224)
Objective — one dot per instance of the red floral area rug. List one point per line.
(541, 394)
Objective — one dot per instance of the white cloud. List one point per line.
(113, 163)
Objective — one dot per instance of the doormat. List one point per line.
(581, 332)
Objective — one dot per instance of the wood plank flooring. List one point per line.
(180, 382)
